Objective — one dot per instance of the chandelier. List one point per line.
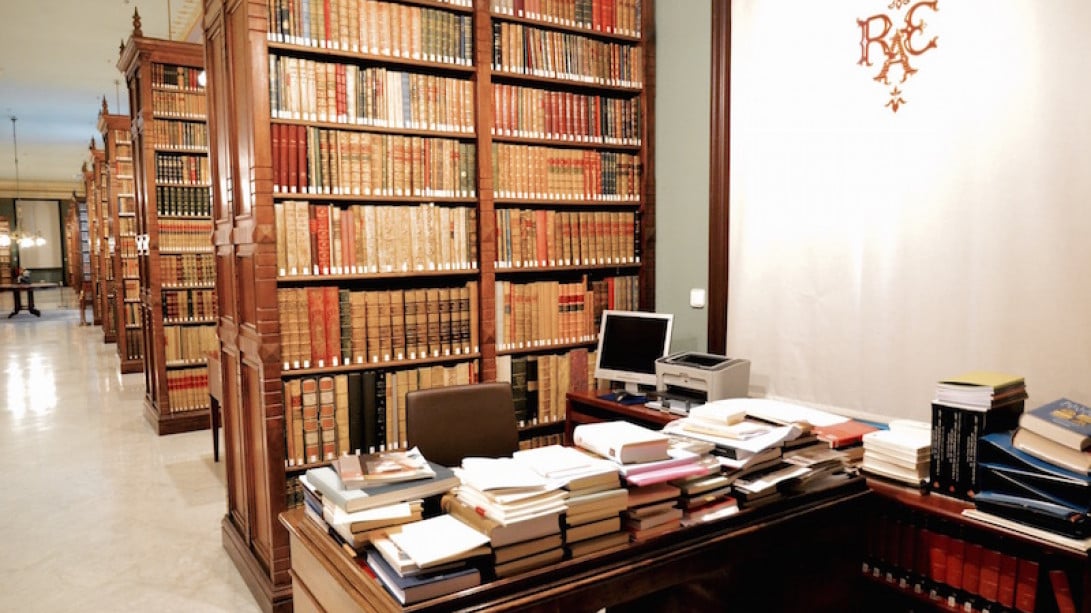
(23, 239)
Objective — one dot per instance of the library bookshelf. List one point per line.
(101, 246)
(176, 277)
(331, 188)
(77, 213)
(5, 252)
(120, 215)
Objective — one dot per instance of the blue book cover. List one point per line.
(1064, 421)
(409, 590)
(1010, 480)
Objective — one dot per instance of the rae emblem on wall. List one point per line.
(891, 41)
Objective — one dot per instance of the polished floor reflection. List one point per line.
(99, 513)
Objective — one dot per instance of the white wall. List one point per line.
(40, 216)
(872, 252)
(683, 47)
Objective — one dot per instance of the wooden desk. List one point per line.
(802, 553)
(588, 408)
(29, 288)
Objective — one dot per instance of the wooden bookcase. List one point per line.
(254, 132)
(90, 190)
(5, 252)
(923, 553)
(176, 276)
(120, 200)
(73, 272)
(102, 243)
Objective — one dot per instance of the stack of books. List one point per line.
(595, 500)
(964, 409)
(355, 515)
(510, 494)
(652, 510)
(901, 453)
(1040, 474)
(428, 558)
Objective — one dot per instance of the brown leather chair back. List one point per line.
(451, 423)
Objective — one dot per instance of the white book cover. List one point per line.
(438, 539)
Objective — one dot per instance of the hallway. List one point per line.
(99, 513)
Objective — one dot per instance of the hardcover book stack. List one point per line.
(964, 409)
(523, 507)
(360, 497)
(595, 496)
(1040, 474)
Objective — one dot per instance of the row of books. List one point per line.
(377, 28)
(527, 238)
(171, 134)
(529, 112)
(126, 200)
(545, 173)
(323, 239)
(320, 161)
(609, 16)
(181, 105)
(303, 89)
(177, 201)
(131, 289)
(327, 326)
(327, 417)
(186, 305)
(123, 145)
(964, 571)
(520, 49)
(126, 226)
(189, 343)
(543, 314)
(179, 77)
(123, 167)
(185, 235)
(180, 169)
(539, 382)
(187, 269)
(132, 314)
(126, 246)
(133, 347)
(187, 389)
(541, 440)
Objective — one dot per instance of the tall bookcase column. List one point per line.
(90, 186)
(177, 279)
(122, 266)
(106, 294)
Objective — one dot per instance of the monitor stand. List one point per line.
(630, 394)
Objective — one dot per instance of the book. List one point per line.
(1048, 516)
(622, 442)
(843, 434)
(597, 543)
(980, 390)
(522, 549)
(368, 470)
(414, 589)
(592, 529)
(438, 540)
(326, 481)
(524, 564)
(650, 521)
(955, 435)
(1050, 451)
(1026, 585)
(1063, 421)
(1062, 591)
(501, 535)
(370, 519)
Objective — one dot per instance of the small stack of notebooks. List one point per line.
(510, 494)
(901, 453)
(1040, 474)
(595, 496)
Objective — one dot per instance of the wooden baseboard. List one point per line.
(173, 423)
(253, 574)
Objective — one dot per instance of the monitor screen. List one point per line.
(629, 344)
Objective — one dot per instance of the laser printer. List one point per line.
(691, 378)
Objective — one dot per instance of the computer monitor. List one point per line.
(629, 344)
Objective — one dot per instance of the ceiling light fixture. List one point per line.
(25, 240)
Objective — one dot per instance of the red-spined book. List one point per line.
(300, 152)
(322, 237)
(1062, 591)
(541, 237)
(989, 577)
(1005, 587)
(280, 158)
(290, 144)
(846, 433)
(1026, 585)
(331, 312)
(956, 551)
(971, 568)
(348, 241)
(937, 557)
(316, 315)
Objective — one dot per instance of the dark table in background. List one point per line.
(16, 288)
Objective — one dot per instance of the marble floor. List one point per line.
(98, 512)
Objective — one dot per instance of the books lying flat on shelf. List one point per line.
(1060, 519)
(725, 412)
(325, 480)
(980, 390)
(1063, 421)
(592, 529)
(371, 519)
(413, 589)
(439, 539)
(499, 534)
(574, 468)
(1082, 545)
(1011, 480)
(660, 517)
(522, 549)
(598, 543)
(902, 453)
(784, 413)
(622, 442)
(511, 510)
(371, 469)
(504, 474)
(848, 432)
(648, 494)
(521, 565)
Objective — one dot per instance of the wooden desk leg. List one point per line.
(30, 303)
(214, 423)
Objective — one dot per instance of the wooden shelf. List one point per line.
(572, 28)
(361, 127)
(378, 199)
(517, 270)
(511, 76)
(382, 365)
(566, 143)
(377, 276)
(386, 60)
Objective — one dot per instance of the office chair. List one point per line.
(451, 423)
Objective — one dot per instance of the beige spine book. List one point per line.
(374, 348)
(409, 308)
(362, 264)
(370, 28)
(293, 421)
(414, 234)
(354, 11)
(282, 233)
(463, 319)
(385, 321)
(370, 230)
(302, 329)
(420, 306)
(464, 373)
(286, 345)
(397, 324)
(444, 215)
(428, 235)
(433, 320)
(473, 288)
(303, 237)
(446, 332)
(341, 409)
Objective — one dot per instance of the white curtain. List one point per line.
(874, 252)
